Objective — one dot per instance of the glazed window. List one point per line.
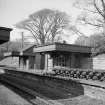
(60, 60)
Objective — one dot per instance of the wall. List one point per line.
(31, 62)
(99, 62)
(22, 62)
(83, 61)
(73, 60)
(86, 63)
(39, 61)
(76, 60)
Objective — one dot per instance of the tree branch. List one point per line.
(99, 11)
(96, 25)
(30, 29)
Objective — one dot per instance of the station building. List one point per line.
(57, 54)
(64, 55)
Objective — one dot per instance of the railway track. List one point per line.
(22, 86)
(21, 89)
(27, 81)
(90, 82)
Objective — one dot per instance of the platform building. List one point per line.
(57, 54)
(25, 57)
(64, 55)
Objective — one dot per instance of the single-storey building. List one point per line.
(65, 55)
(57, 54)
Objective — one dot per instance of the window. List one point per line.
(60, 60)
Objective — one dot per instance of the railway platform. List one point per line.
(91, 88)
(9, 97)
(81, 81)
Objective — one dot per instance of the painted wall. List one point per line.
(80, 60)
(31, 62)
(99, 62)
(22, 62)
(86, 63)
(39, 61)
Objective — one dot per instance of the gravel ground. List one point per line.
(8, 97)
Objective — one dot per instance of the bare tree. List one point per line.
(45, 25)
(96, 41)
(93, 13)
(82, 41)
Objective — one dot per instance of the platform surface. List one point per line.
(8, 97)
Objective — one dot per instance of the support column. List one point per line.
(27, 63)
(50, 62)
(73, 60)
(46, 61)
(68, 61)
(21, 62)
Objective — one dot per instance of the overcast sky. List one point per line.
(13, 11)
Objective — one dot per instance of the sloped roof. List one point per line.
(15, 48)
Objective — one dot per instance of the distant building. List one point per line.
(4, 37)
(4, 34)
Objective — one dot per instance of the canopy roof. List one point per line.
(62, 47)
(26, 51)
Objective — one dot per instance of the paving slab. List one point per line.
(8, 97)
(82, 100)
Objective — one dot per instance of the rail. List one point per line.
(42, 99)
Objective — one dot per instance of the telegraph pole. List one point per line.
(22, 34)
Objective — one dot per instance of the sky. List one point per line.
(13, 11)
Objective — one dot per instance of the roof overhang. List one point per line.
(4, 34)
(62, 47)
(17, 53)
(6, 54)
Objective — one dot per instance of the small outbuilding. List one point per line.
(65, 55)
